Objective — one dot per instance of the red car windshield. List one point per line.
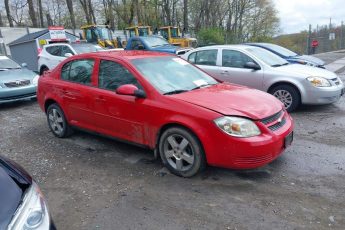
(172, 74)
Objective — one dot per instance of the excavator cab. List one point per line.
(100, 35)
(174, 37)
(142, 31)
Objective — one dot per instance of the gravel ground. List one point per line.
(92, 182)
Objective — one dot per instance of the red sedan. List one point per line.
(164, 103)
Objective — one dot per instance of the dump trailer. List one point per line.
(173, 35)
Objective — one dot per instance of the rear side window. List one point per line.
(79, 71)
(206, 57)
(54, 50)
(65, 50)
(112, 75)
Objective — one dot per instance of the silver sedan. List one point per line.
(292, 84)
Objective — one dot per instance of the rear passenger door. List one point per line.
(206, 60)
(118, 115)
(233, 69)
(75, 90)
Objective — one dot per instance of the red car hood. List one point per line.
(229, 99)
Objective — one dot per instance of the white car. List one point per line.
(52, 54)
(292, 84)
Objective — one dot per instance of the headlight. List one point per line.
(33, 212)
(35, 80)
(319, 81)
(237, 126)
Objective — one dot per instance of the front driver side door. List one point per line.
(233, 69)
(117, 115)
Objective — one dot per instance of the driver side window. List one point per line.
(112, 75)
(235, 59)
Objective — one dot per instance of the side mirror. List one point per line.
(24, 65)
(252, 65)
(130, 90)
(68, 55)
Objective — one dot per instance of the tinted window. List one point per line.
(79, 71)
(54, 50)
(206, 57)
(234, 59)
(112, 75)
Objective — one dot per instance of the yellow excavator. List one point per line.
(173, 35)
(99, 34)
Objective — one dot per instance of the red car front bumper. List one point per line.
(223, 150)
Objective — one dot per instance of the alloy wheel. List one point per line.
(178, 152)
(284, 96)
(56, 121)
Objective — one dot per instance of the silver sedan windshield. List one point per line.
(267, 57)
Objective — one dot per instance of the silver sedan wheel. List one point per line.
(178, 152)
(284, 96)
(56, 121)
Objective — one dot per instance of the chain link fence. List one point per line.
(328, 38)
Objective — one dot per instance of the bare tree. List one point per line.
(71, 13)
(40, 9)
(185, 15)
(1, 22)
(32, 13)
(8, 13)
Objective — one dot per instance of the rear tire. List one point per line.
(181, 152)
(57, 121)
(288, 95)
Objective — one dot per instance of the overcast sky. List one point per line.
(296, 15)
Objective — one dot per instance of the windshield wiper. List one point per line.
(276, 65)
(202, 86)
(286, 63)
(176, 91)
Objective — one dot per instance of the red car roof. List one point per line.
(126, 54)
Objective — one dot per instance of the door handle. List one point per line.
(224, 72)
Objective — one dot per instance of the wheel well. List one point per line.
(285, 83)
(171, 125)
(48, 103)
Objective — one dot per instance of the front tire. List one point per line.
(181, 152)
(57, 121)
(288, 95)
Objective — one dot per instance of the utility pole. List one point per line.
(309, 40)
(341, 35)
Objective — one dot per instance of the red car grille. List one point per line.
(276, 121)
(18, 83)
(253, 160)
